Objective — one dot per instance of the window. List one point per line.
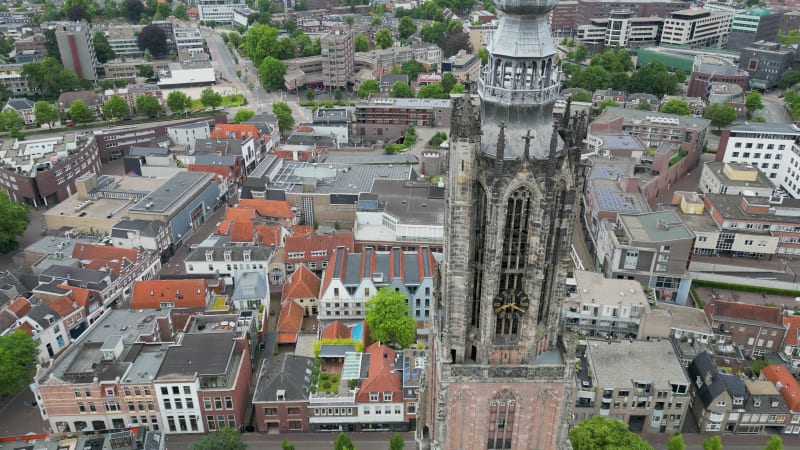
(81, 407)
(207, 402)
(164, 390)
(111, 406)
(387, 396)
(131, 406)
(127, 392)
(721, 403)
(210, 422)
(411, 408)
(167, 404)
(92, 407)
(228, 403)
(176, 390)
(295, 425)
(294, 410)
(87, 393)
(218, 402)
(77, 393)
(373, 396)
(187, 390)
(231, 421)
(178, 403)
(270, 411)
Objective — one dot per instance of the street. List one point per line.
(302, 441)
(773, 110)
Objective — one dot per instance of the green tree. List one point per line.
(600, 433)
(180, 12)
(401, 90)
(146, 71)
(243, 115)
(45, 112)
(483, 54)
(605, 104)
(152, 38)
(361, 43)
(51, 44)
(406, 27)
(134, 10)
(178, 102)
(433, 90)
(580, 96)
(592, 78)
(438, 138)
(79, 112)
(448, 81)
(271, 72)
(712, 443)
(227, 438)
(412, 68)
(653, 78)
(116, 107)
(389, 318)
(163, 10)
(457, 89)
(349, 20)
(789, 79)
(210, 99)
(675, 106)
(720, 115)
(338, 93)
(775, 443)
(310, 94)
(396, 442)
(17, 350)
(102, 48)
(10, 119)
(343, 442)
(753, 102)
(49, 77)
(260, 42)
(434, 33)
(284, 115)
(383, 38)
(368, 87)
(148, 105)
(790, 38)
(676, 443)
(148, 56)
(578, 55)
(644, 106)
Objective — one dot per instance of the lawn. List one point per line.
(329, 383)
(219, 303)
(227, 102)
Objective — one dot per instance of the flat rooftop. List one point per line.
(656, 226)
(730, 207)
(408, 103)
(686, 318)
(57, 147)
(695, 222)
(173, 193)
(594, 287)
(655, 362)
(762, 181)
(204, 354)
(410, 202)
(604, 186)
(295, 176)
(101, 208)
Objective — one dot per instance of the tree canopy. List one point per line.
(654, 78)
(210, 99)
(401, 89)
(406, 27)
(432, 90)
(227, 438)
(753, 102)
(712, 443)
(343, 442)
(152, 38)
(243, 115)
(148, 105)
(50, 78)
(45, 112)
(383, 38)
(15, 221)
(412, 68)
(361, 43)
(720, 115)
(601, 433)
(676, 443)
(17, 350)
(368, 87)
(102, 48)
(775, 443)
(675, 106)
(134, 10)
(79, 112)
(389, 318)
(116, 107)
(396, 442)
(284, 115)
(178, 101)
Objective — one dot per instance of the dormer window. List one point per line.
(246, 255)
(373, 396)
(227, 255)
(756, 402)
(773, 403)
(209, 255)
(387, 396)
(281, 394)
(738, 401)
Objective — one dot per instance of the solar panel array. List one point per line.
(606, 172)
(609, 200)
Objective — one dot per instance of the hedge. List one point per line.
(745, 288)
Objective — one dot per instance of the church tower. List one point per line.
(501, 373)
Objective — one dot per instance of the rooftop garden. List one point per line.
(219, 303)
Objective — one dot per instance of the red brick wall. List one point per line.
(282, 417)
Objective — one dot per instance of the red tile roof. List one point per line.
(26, 327)
(62, 305)
(381, 376)
(720, 309)
(234, 215)
(792, 328)
(269, 235)
(336, 330)
(242, 232)
(268, 208)
(289, 322)
(224, 171)
(303, 283)
(183, 293)
(309, 242)
(79, 295)
(20, 306)
(234, 130)
(299, 230)
(787, 385)
(96, 257)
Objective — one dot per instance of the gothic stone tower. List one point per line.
(500, 369)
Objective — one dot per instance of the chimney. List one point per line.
(709, 377)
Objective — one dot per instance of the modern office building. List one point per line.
(697, 28)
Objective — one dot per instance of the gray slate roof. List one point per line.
(147, 228)
(287, 372)
(250, 284)
(20, 104)
(10, 287)
(720, 382)
(237, 253)
(205, 354)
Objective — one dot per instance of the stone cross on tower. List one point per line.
(526, 155)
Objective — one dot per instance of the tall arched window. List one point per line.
(502, 409)
(514, 257)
